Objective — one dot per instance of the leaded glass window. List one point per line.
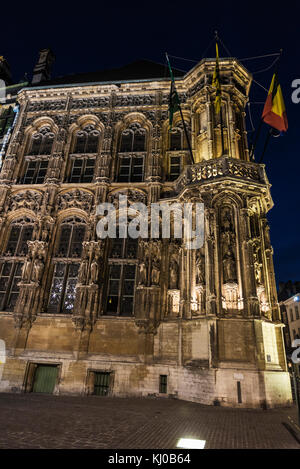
(66, 266)
(20, 232)
(12, 262)
(82, 170)
(35, 172)
(63, 288)
(131, 169)
(10, 276)
(121, 277)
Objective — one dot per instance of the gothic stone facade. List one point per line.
(202, 325)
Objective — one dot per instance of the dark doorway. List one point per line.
(45, 378)
(101, 383)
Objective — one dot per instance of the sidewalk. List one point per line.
(46, 421)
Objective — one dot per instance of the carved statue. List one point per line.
(95, 270)
(155, 274)
(229, 267)
(38, 268)
(200, 268)
(26, 270)
(82, 273)
(143, 270)
(173, 281)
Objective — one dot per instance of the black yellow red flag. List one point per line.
(274, 112)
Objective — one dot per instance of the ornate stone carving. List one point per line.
(200, 268)
(46, 106)
(75, 198)
(174, 271)
(25, 199)
(83, 103)
(229, 267)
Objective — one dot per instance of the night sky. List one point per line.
(88, 37)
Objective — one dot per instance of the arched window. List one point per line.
(66, 266)
(86, 143)
(133, 138)
(41, 142)
(87, 140)
(132, 154)
(177, 142)
(37, 159)
(121, 278)
(12, 261)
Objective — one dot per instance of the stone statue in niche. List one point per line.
(229, 267)
(83, 270)
(173, 281)
(38, 268)
(155, 273)
(95, 269)
(143, 270)
(200, 269)
(227, 230)
(26, 269)
(257, 268)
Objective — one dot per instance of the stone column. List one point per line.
(90, 277)
(269, 270)
(231, 131)
(210, 130)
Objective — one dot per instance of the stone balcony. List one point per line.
(219, 168)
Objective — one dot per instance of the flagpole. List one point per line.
(265, 146)
(221, 117)
(186, 135)
(222, 134)
(253, 146)
(181, 114)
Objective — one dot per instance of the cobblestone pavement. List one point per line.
(44, 421)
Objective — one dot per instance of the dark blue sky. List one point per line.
(88, 37)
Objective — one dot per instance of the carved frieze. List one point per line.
(46, 106)
(75, 198)
(25, 199)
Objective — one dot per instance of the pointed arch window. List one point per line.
(121, 279)
(66, 266)
(12, 262)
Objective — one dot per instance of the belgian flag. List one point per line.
(274, 110)
(216, 82)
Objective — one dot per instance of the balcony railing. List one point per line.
(219, 168)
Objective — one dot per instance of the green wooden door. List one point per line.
(45, 378)
(101, 384)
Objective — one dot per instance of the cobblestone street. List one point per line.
(44, 421)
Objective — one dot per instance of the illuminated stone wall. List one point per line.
(207, 318)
